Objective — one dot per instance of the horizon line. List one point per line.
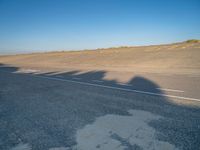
(25, 52)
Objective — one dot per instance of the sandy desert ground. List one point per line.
(178, 58)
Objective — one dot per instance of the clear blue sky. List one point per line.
(32, 25)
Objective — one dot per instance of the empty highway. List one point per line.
(63, 111)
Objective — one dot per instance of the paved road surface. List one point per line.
(68, 111)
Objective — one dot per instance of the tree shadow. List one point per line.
(46, 113)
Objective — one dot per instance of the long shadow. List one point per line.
(46, 113)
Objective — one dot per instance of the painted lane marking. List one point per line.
(170, 90)
(121, 89)
(27, 71)
(115, 88)
(97, 81)
(58, 73)
(124, 84)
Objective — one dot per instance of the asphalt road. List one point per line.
(68, 111)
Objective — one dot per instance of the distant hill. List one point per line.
(173, 58)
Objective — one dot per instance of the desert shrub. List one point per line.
(192, 41)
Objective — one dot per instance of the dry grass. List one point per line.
(172, 58)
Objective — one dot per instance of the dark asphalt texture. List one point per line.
(47, 113)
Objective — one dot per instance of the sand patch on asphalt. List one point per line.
(115, 132)
(27, 71)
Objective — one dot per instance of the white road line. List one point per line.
(97, 81)
(115, 88)
(57, 73)
(121, 89)
(170, 90)
(27, 71)
(124, 84)
(76, 78)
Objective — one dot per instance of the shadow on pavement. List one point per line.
(46, 113)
